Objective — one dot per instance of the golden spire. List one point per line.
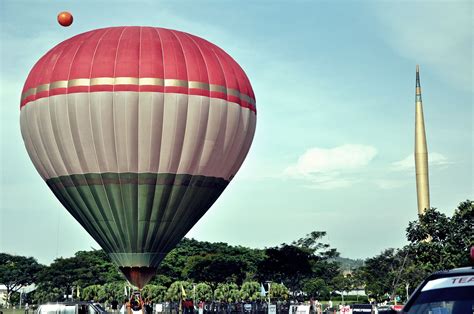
(421, 152)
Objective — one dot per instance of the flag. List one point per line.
(183, 292)
(78, 292)
(262, 290)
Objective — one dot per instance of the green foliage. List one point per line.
(176, 289)
(113, 291)
(15, 298)
(17, 271)
(93, 293)
(155, 293)
(450, 239)
(316, 288)
(161, 280)
(437, 242)
(250, 291)
(379, 273)
(215, 268)
(288, 264)
(278, 292)
(325, 270)
(342, 283)
(227, 292)
(311, 242)
(44, 295)
(82, 270)
(221, 262)
(293, 264)
(203, 292)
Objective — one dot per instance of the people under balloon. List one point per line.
(136, 304)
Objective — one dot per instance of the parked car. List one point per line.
(444, 292)
(70, 308)
(389, 309)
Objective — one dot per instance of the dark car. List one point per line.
(444, 292)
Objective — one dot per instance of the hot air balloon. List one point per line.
(65, 18)
(137, 131)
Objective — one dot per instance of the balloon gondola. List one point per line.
(137, 131)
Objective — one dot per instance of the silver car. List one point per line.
(70, 308)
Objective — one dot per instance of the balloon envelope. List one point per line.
(137, 131)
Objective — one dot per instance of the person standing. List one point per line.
(114, 304)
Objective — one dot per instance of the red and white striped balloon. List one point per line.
(137, 130)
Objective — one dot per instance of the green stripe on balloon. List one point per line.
(137, 217)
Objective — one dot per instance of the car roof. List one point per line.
(451, 272)
(70, 303)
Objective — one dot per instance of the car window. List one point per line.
(68, 309)
(92, 310)
(458, 300)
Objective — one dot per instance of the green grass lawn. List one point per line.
(12, 311)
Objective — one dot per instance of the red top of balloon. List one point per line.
(65, 18)
(138, 59)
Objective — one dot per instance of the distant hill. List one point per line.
(348, 263)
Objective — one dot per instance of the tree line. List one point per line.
(220, 272)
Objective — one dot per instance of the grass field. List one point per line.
(12, 311)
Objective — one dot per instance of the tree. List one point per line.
(93, 293)
(17, 271)
(250, 291)
(182, 262)
(303, 259)
(227, 292)
(437, 242)
(287, 264)
(175, 291)
(216, 268)
(112, 291)
(358, 280)
(379, 272)
(41, 295)
(450, 239)
(82, 270)
(316, 288)
(311, 242)
(342, 284)
(203, 292)
(278, 292)
(155, 293)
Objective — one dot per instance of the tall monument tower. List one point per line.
(421, 152)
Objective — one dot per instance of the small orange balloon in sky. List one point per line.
(65, 18)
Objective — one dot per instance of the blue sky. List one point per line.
(335, 89)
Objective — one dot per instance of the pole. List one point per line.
(406, 287)
(269, 301)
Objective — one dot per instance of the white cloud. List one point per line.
(437, 34)
(386, 184)
(330, 160)
(408, 163)
(330, 168)
(329, 182)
